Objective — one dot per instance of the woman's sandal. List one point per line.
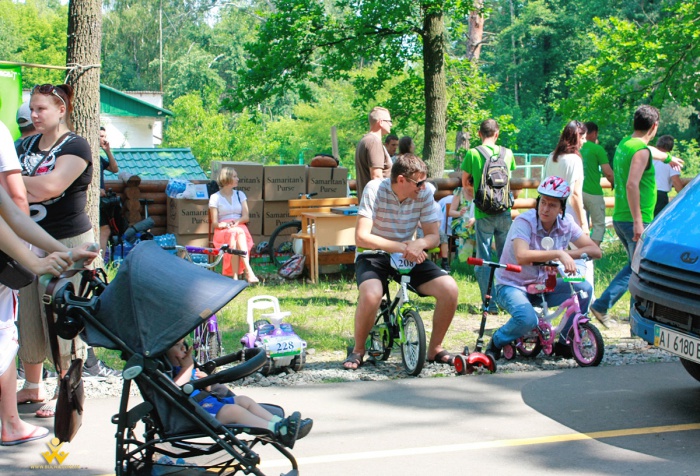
(48, 409)
(438, 358)
(22, 395)
(354, 358)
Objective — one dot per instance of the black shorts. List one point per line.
(378, 266)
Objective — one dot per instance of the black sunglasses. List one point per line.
(418, 184)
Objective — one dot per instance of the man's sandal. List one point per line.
(438, 358)
(354, 358)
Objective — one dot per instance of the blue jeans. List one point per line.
(487, 229)
(523, 319)
(618, 286)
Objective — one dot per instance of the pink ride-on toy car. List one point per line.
(284, 348)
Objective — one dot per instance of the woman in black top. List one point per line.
(57, 169)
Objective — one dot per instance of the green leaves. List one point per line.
(638, 63)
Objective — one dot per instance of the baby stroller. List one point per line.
(139, 316)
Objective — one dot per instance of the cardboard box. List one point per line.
(250, 177)
(275, 214)
(284, 182)
(186, 217)
(255, 212)
(327, 182)
(196, 239)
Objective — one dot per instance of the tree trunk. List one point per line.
(435, 93)
(515, 61)
(83, 53)
(476, 31)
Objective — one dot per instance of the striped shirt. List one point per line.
(394, 220)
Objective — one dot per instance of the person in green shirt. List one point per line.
(488, 227)
(635, 198)
(595, 161)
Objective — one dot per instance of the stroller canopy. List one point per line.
(157, 298)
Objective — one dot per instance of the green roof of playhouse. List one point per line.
(157, 164)
(117, 103)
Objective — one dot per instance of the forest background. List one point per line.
(264, 81)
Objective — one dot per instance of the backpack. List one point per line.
(494, 196)
(293, 267)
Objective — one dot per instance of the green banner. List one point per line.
(10, 96)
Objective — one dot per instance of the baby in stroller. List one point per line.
(235, 409)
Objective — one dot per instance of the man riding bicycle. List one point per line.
(524, 247)
(388, 217)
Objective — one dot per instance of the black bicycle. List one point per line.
(280, 248)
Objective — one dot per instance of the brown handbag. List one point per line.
(71, 394)
(69, 407)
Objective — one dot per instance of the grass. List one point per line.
(323, 313)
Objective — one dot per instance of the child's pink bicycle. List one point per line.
(584, 338)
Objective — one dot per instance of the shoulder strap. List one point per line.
(50, 151)
(485, 153)
(51, 322)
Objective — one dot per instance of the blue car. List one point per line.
(665, 281)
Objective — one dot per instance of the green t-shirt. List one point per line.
(473, 164)
(593, 157)
(647, 185)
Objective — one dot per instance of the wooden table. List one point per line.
(327, 229)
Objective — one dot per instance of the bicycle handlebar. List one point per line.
(515, 268)
(143, 225)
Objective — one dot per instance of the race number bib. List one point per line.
(280, 346)
(401, 264)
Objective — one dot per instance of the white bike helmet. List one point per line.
(555, 187)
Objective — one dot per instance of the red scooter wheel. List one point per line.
(460, 364)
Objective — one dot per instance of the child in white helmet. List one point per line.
(524, 246)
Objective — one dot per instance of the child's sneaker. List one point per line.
(305, 427)
(287, 430)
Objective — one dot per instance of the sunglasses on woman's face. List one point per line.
(47, 89)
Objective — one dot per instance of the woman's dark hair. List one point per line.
(570, 140)
(405, 145)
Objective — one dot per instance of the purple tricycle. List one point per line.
(283, 346)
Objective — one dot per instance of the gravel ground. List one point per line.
(325, 367)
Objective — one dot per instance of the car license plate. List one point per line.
(677, 343)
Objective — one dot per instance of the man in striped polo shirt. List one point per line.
(389, 214)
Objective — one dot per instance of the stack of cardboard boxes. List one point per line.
(267, 189)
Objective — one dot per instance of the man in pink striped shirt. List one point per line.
(389, 214)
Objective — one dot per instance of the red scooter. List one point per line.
(467, 362)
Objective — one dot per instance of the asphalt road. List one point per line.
(640, 419)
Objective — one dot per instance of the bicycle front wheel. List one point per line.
(413, 346)
(589, 352)
(209, 345)
(277, 238)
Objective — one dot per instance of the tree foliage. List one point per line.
(307, 41)
(34, 32)
(653, 63)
